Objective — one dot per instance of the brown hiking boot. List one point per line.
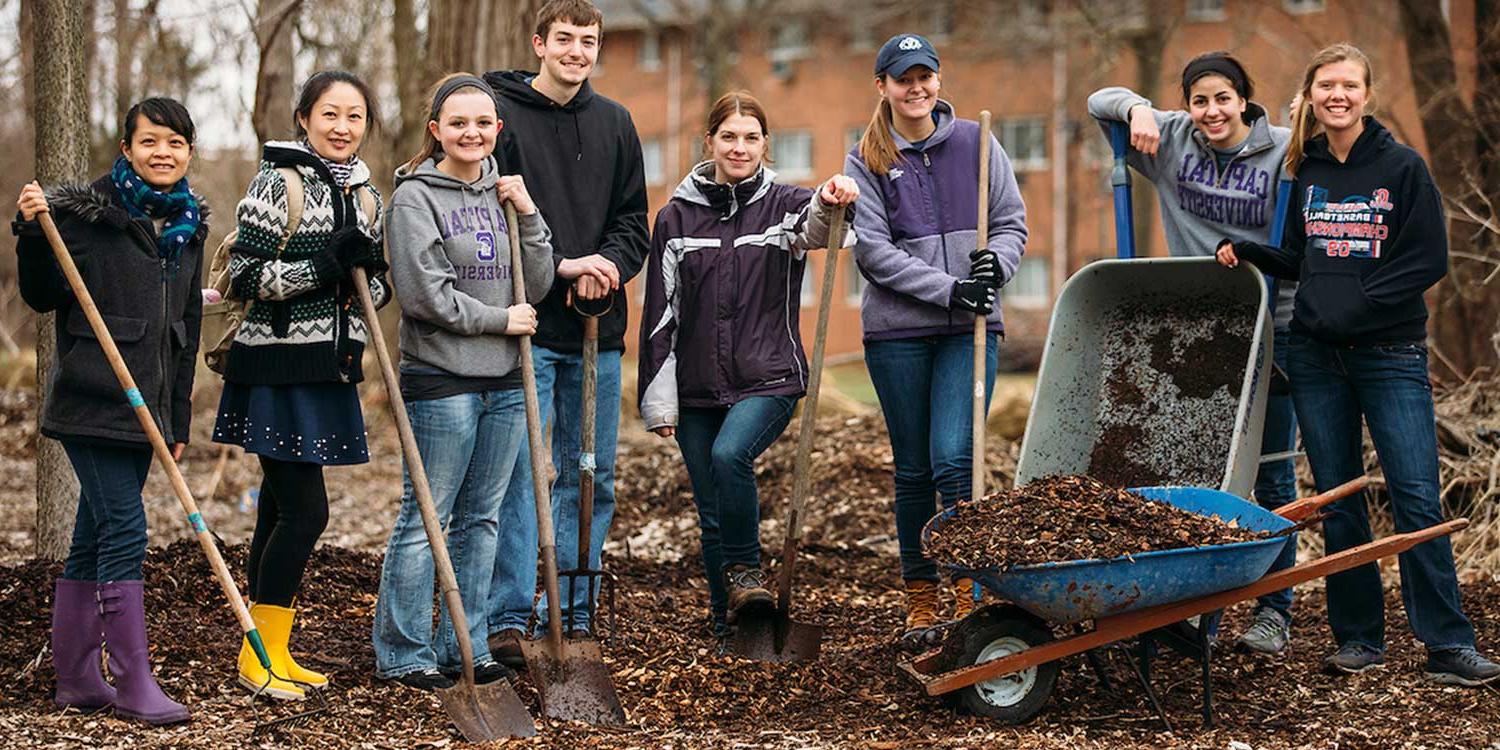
(747, 591)
(965, 600)
(921, 614)
(505, 647)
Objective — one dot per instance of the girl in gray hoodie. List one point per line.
(460, 376)
(1216, 168)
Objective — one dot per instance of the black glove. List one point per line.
(353, 248)
(972, 295)
(984, 265)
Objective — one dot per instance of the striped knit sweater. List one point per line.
(304, 323)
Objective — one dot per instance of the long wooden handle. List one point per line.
(586, 453)
(541, 459)
(153, 434)
(976, 486)
(447, 581)
(801, 468)
(1300, 509)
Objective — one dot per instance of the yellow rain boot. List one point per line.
(964, 599)
(275, 626)
(315, 680)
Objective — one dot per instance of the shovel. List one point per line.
(776, 637)
(205, 537)
(570, 676)
(481, 712)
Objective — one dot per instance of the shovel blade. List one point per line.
(486, 712)
(775, 638)
(577, 687)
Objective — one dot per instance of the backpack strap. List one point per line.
(367, 202)
(295, 200)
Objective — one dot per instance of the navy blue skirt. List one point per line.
(318, 423)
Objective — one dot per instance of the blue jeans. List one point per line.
(559, 385)
(1276, 482)
(719, 446)
(924, 386)
(469, 445)
(1387, 386)
(109, 533)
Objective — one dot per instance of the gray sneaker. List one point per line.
(1461, 666)
(1353, 658)
(1268, 633)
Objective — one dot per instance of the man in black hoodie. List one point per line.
(581, 158)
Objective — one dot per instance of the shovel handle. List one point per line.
(541, 458)
(977, 418)
(443, 564)
(801, 469)
(1300, 509)
(153, 435)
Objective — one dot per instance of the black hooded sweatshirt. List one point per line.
(582, 165)
(1366, 237)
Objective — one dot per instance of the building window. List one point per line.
(861, 31)
(789, 40)
(650, 51)
(1031, 285)
(651, 155)
(1302, 6)
(791, 150)
(1025, 142)
(854, 287)
(1206, 10)
(942, 16)
(852, 137)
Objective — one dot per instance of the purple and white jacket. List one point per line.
(723, 293)
(918, 223)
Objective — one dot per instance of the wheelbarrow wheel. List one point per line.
(991, 634)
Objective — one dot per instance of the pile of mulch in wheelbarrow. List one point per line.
(1062, 518)
(1167, 404)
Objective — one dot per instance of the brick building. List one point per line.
(810, 64)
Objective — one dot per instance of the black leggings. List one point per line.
(293, 511)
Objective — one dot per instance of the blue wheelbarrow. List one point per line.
(1002, 661)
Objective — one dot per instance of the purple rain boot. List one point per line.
(77, 633)
(137, 696)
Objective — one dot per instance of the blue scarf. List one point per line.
(177, 206)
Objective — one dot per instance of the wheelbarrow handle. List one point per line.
(1300, 509)
(1119, 179)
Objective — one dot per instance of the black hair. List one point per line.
(319, 84)
(168, 113)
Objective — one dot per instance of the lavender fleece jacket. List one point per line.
(918, 223)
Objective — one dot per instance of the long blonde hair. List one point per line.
(1304, 124)
(430, 143)
(877, 149)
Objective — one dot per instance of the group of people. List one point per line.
(721, 358)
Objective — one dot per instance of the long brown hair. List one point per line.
(877, 149)
(1304, 124)
(738, 103)
(430, 145)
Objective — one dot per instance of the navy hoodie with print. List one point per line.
(1365, 238)
(582, 165)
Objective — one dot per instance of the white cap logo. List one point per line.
(910, 43)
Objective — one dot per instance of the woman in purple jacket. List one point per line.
(917, 168)
(721, 364)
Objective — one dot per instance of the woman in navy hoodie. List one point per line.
(1366, 238)
(917, 168)
(721, 364)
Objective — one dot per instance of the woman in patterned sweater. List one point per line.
(289, 390)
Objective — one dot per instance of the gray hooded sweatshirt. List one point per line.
(450, 262)
(1199, 204)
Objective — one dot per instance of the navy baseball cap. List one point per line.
(903, 52)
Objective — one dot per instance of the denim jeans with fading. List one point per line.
(924, 385)
(1276, 482)
(469, 445)
(719, 446)
(109, 532)
(559, 384)
(1386, 388)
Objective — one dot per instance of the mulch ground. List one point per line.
(679, 693)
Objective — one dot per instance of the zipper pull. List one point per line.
(925, 161)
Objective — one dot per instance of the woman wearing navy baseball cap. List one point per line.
(917, 169)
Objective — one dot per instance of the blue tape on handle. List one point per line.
(133, 395)
(196, 519)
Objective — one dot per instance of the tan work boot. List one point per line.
(965, 598)
(747, 591)
(921, 614)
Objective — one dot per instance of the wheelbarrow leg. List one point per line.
(1141, 663)
(1095, 662)
(1206, 646)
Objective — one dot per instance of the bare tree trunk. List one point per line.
(1460, 142)
(125, 34)
(410, 77)
(1147, 47)
(275, 20)
(61, 156)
